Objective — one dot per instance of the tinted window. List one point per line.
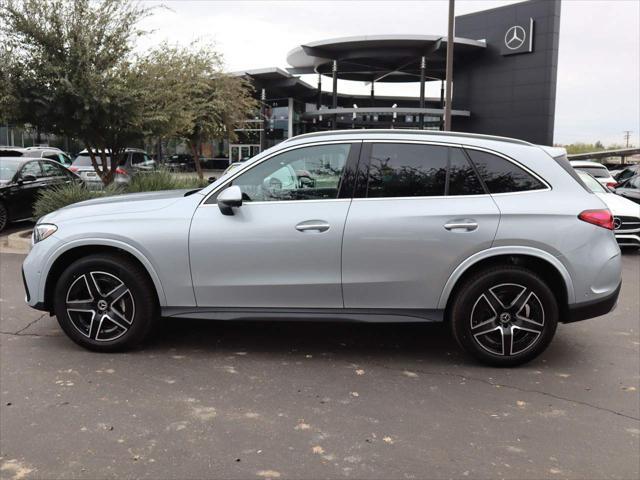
(502, 176)
(31, 168)
(53, 170)
(308, 173)
(8, 168)
(407, 170)
(598, 172)
(462, 178)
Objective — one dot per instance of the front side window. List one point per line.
(501, 175)
(31, 168)
(308, 173)
(407, 170)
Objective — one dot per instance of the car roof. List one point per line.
(586, 163)
(423, 134)
(127, 149)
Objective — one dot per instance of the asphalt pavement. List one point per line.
(316, 400)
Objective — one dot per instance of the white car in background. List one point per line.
(597, 170)
(626, 214)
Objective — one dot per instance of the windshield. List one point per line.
(8, 168)
(596, 171)
(84, 160)
(592, 183)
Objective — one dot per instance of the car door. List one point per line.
(419, 210)
(29, 182)
(630, 189)
(282, 247)
(55, 174)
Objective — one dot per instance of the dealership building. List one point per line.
(504, 81)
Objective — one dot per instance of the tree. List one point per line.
(69, 72)
(188, 95)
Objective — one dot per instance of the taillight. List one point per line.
(612, 184)
(73, 169)
(121, 171)
(601, 218)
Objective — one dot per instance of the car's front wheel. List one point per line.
(504, 316)
(4, 216)
(105, 302)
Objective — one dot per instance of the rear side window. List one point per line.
(407, 170)
(503, 176)
(462, 178)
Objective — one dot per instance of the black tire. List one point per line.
(4, 216)
(520, 331)
(86, 286)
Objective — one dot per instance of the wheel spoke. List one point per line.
(115, 294)
(521, 300)
(528, 324)
(81, 305)
(92, 284)
(494, 301)
(104, 321)
(507, 340)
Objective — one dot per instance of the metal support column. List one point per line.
(263, 116)
(319, 100)
(449, 66)
(334, 103)
(423, 68)
(442, 104)
(373, 93)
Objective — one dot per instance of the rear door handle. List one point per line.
(313, 226)
(465, 225)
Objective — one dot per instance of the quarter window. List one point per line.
(502, 176)
(52, 170)
(308, 173)
(407, 170)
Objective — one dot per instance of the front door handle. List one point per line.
(464, 225)
(313, 226)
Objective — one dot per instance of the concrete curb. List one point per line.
(18, 241)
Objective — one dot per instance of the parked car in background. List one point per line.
(596, 169)
(21, 179)
(181, 162)
(630, 189)
(491, 235)
(626, 173)
(626, 214)
(50, 153)
(11, 151)
(135, 161)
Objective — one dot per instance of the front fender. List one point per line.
(496, 251)
(97, 242)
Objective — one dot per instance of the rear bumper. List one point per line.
(595, 308)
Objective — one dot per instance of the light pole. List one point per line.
(447, 106)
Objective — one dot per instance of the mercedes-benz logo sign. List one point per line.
(617, 223)
(515, 37)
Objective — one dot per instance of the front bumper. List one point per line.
(628, 239)
(594, 308)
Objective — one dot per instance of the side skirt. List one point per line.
(307, 314)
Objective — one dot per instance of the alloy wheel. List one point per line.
(507, 319)
(100, 306)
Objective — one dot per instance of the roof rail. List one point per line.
(400, 131)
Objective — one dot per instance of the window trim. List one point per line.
(241, 170)
(516, 163)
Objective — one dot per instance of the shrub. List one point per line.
(163, 180)
(55, 198)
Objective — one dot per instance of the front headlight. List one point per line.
(42, 231)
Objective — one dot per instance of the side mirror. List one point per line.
(229, 199)
(211, 179)
(27, 179)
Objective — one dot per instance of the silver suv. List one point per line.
(491, 235)
(134, 161)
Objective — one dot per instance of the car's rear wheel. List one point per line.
(4, 216)
(105, 302)
(504, 316)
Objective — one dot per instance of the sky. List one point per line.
(598, 92)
